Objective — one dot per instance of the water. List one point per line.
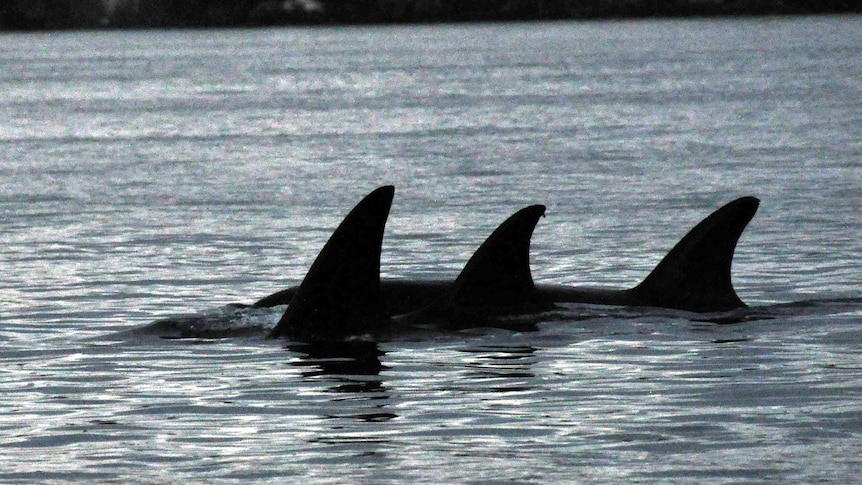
(149, 174)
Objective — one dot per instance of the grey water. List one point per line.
(159, 173)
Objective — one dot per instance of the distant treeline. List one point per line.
(71, 14)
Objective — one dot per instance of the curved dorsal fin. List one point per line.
(340, 294)
(695, 274)
(496, 280)
(498, 274)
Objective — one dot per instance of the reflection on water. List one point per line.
(500, 363)
(339, 358)
(350, 369)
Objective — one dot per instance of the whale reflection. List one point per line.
(350, 369)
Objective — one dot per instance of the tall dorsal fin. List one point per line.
(695, 274)
(495, 281)
(340, 294)
(498, 274)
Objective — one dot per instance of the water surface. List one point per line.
(149, 174)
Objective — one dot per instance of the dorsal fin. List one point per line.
(340, 294)
(695, 274)
(496, 280)
(498, 274)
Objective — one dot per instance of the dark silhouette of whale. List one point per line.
(342, 294)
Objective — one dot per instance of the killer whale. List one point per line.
(342, 293)
(694, 276)
(495, 282)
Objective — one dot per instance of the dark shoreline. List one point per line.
(52, 15)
